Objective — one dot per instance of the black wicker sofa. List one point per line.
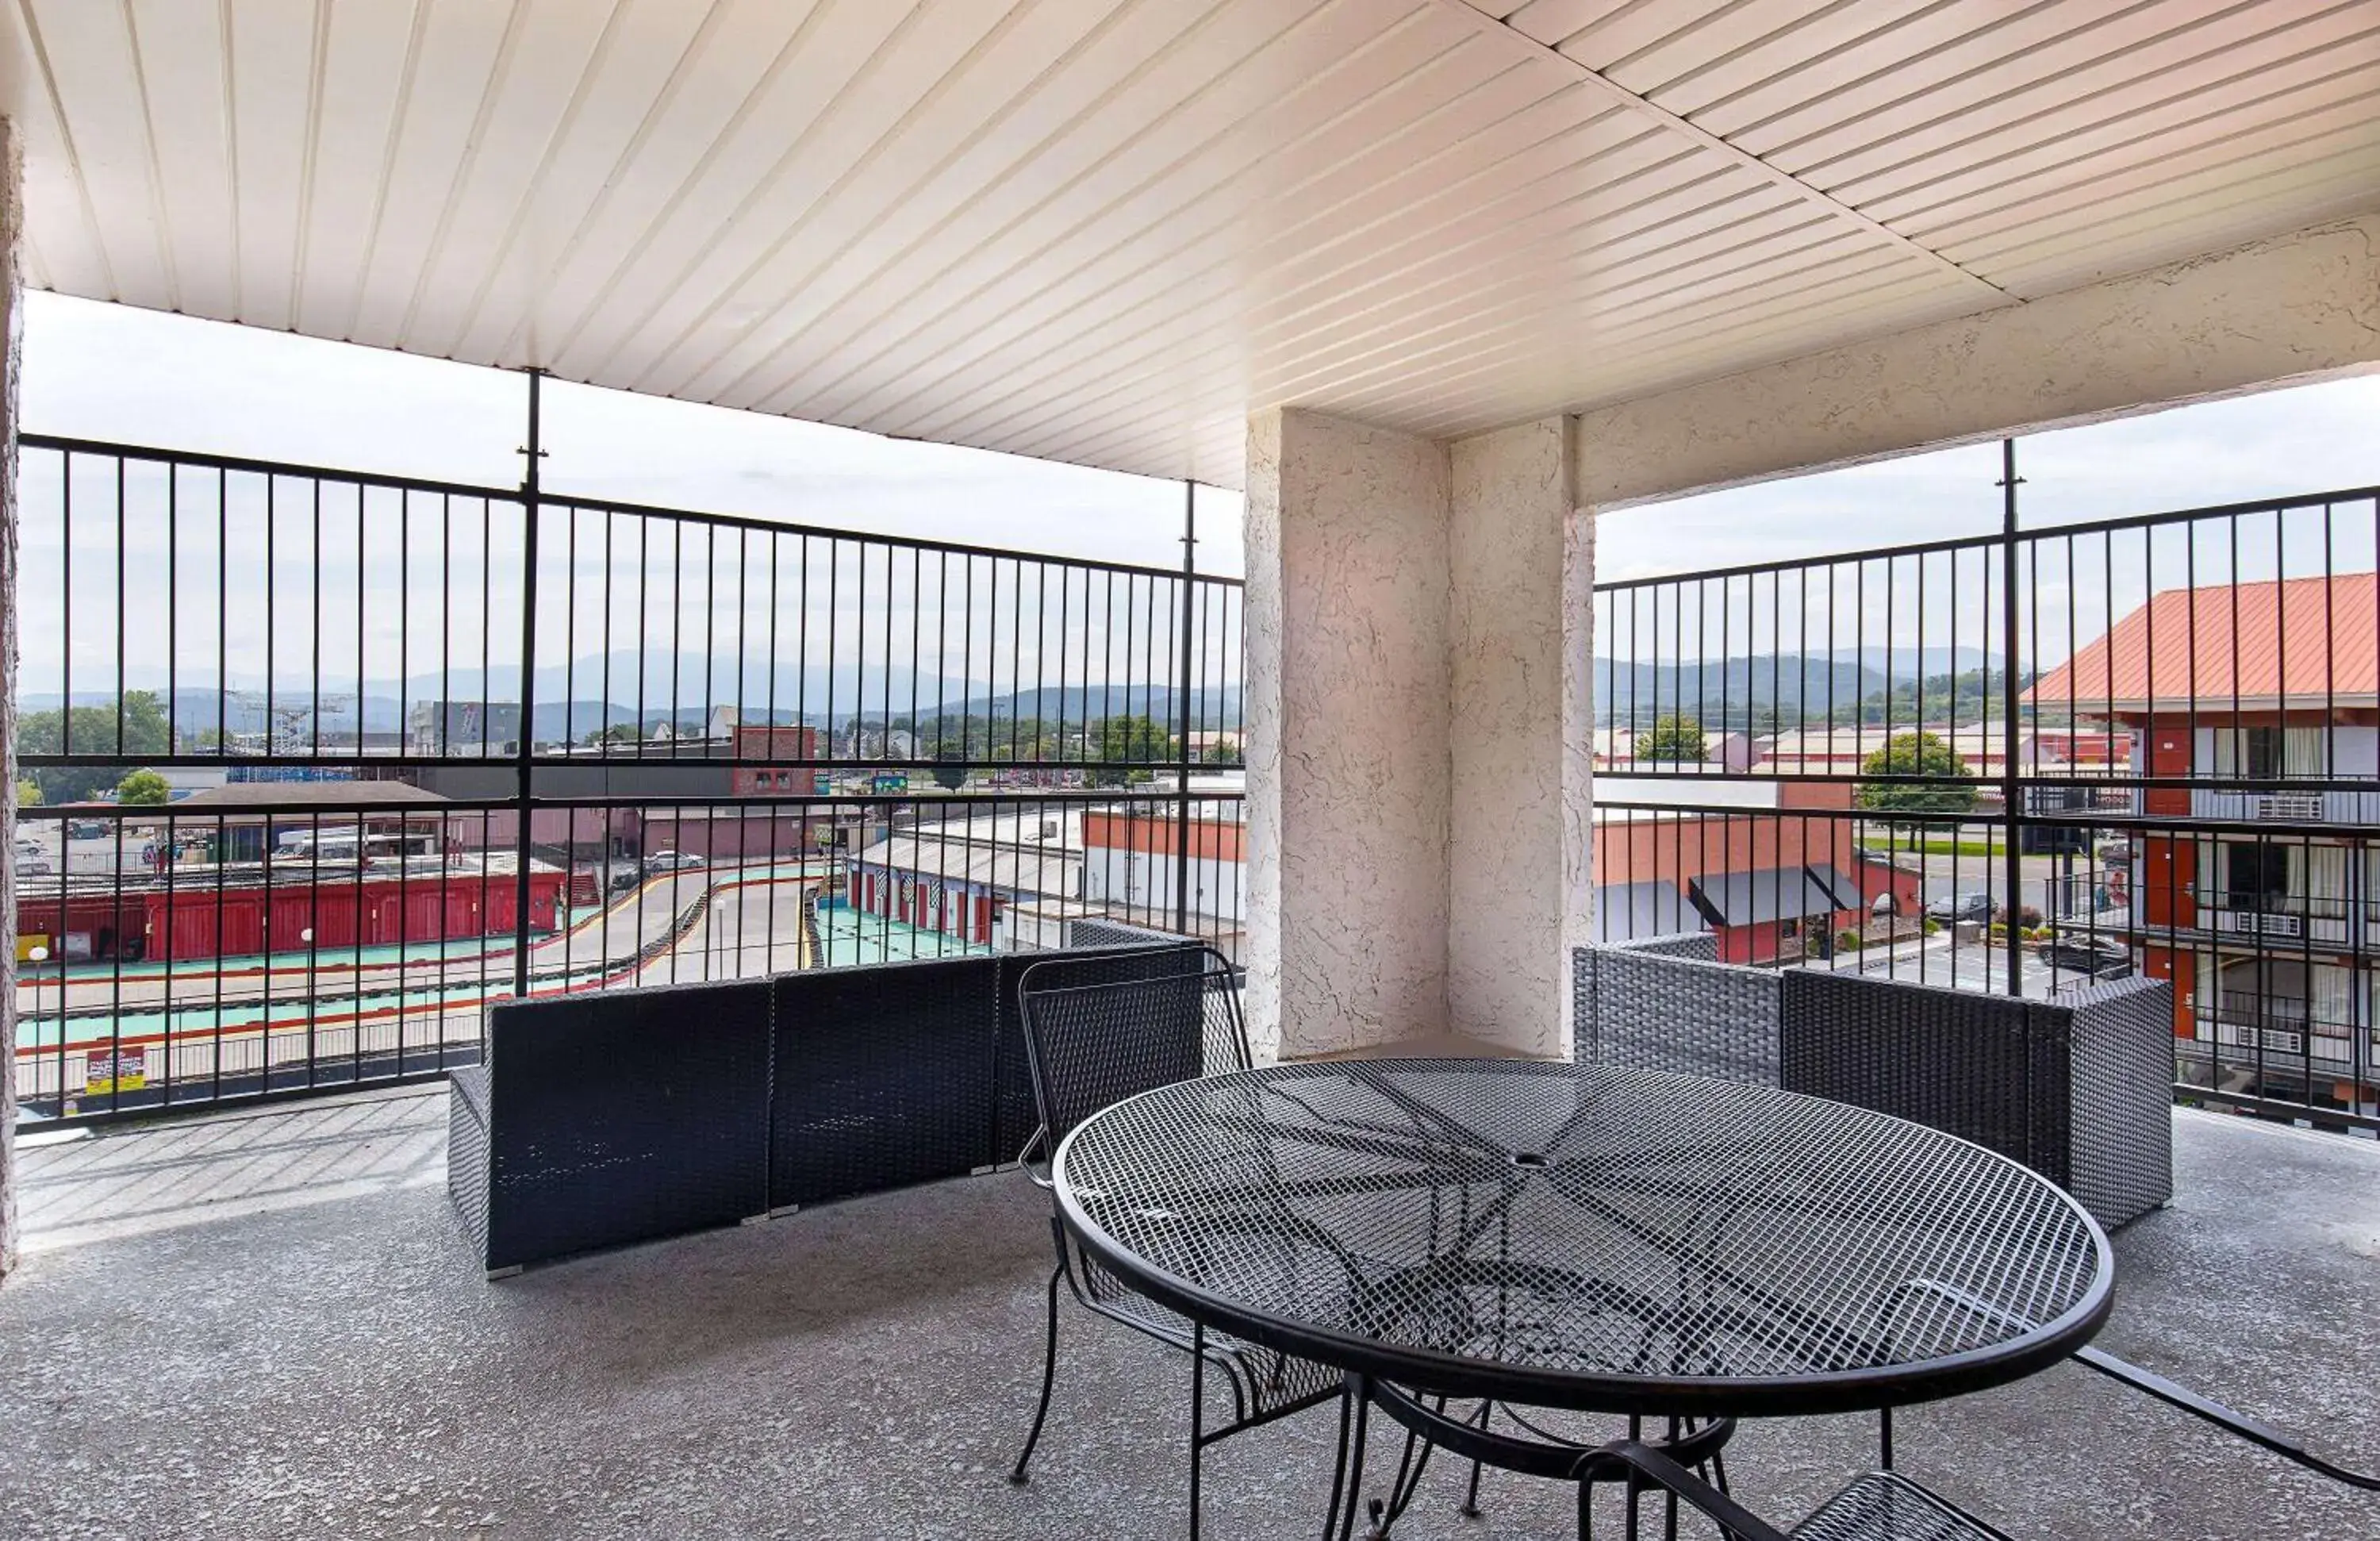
(625, 1116)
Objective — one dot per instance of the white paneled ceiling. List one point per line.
(1104, 230)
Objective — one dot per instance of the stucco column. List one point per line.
(1346, 711)
(1520, 793)
(12, 168)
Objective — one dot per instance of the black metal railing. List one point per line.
(2081, 750)
(318, 763)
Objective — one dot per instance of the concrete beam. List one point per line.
(2279, 311)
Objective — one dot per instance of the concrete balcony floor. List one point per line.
(267, 1327)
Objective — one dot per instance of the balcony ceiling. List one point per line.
(1104, 231)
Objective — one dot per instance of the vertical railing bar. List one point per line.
(314, 644)
(523, 768)
(1184, 686)
(2012, 810)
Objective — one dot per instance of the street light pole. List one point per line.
(37, 957)
(306, 936)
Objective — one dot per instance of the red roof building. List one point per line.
(2265, 910)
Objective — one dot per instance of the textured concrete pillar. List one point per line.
(1346, 711)
(1521, 667)
(12, 167)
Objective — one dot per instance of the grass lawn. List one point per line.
(1943, 845)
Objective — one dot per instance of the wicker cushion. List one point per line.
(1885, 1505)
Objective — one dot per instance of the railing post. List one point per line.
(1182, 714)
(522, 767)
(2012, 791)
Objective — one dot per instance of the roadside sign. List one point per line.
(123, 1070)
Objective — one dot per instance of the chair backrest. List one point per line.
(1667, 1004)
(1100, 1029)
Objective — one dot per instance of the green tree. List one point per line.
(1225, 751)
(618, 733)
(91, 730)
(1127, 739)
(1674, 738)
(143, 789)
(29, 792)
(1917, 754)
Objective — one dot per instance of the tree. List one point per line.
(1225, 751)
(91, 730)
(1917, 754)
(618, 733)
(29, 792)
(951, 774)
(1674, 738)
(1128, 739)
(143, 789)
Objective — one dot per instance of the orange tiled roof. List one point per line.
(2311, 641)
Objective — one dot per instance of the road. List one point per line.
(1943, 960)
(2037, 876)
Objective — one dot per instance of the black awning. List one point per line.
(1771, 893)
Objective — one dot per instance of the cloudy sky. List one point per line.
(108, 371)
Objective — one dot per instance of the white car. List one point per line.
(672, 861)
(33, 862)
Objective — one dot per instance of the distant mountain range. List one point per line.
(579, 698)
(684, 695)
(1737, 692)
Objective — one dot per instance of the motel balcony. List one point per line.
(2349, 812)
(270, 1324)
(1437, 292)
(2283, 922)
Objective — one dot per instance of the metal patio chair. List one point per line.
(1100, 1029)
(1886, 1505)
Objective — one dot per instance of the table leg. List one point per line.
(1359, 1392)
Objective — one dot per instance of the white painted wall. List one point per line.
(1114, 874)
(2274, 312)
(1347, 747)
(1521, 777)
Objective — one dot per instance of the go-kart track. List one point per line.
(123, 1036)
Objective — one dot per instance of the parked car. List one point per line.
(672, 861)
(1952, 908)
(2098, 957)
(31, 861)
(2115, 850)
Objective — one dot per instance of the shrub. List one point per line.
(1933, 927)
(1847, 941)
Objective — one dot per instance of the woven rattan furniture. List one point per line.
(1102, 1028)
(599, 1120)
(2078, 1087)
(1583, 1237)
(621, 1116)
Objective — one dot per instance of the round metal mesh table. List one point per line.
(1586, 1237)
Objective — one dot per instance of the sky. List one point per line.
(113, 373)
(2306, 439)
(109, 371)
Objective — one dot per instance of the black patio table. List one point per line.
(1586, 1237)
